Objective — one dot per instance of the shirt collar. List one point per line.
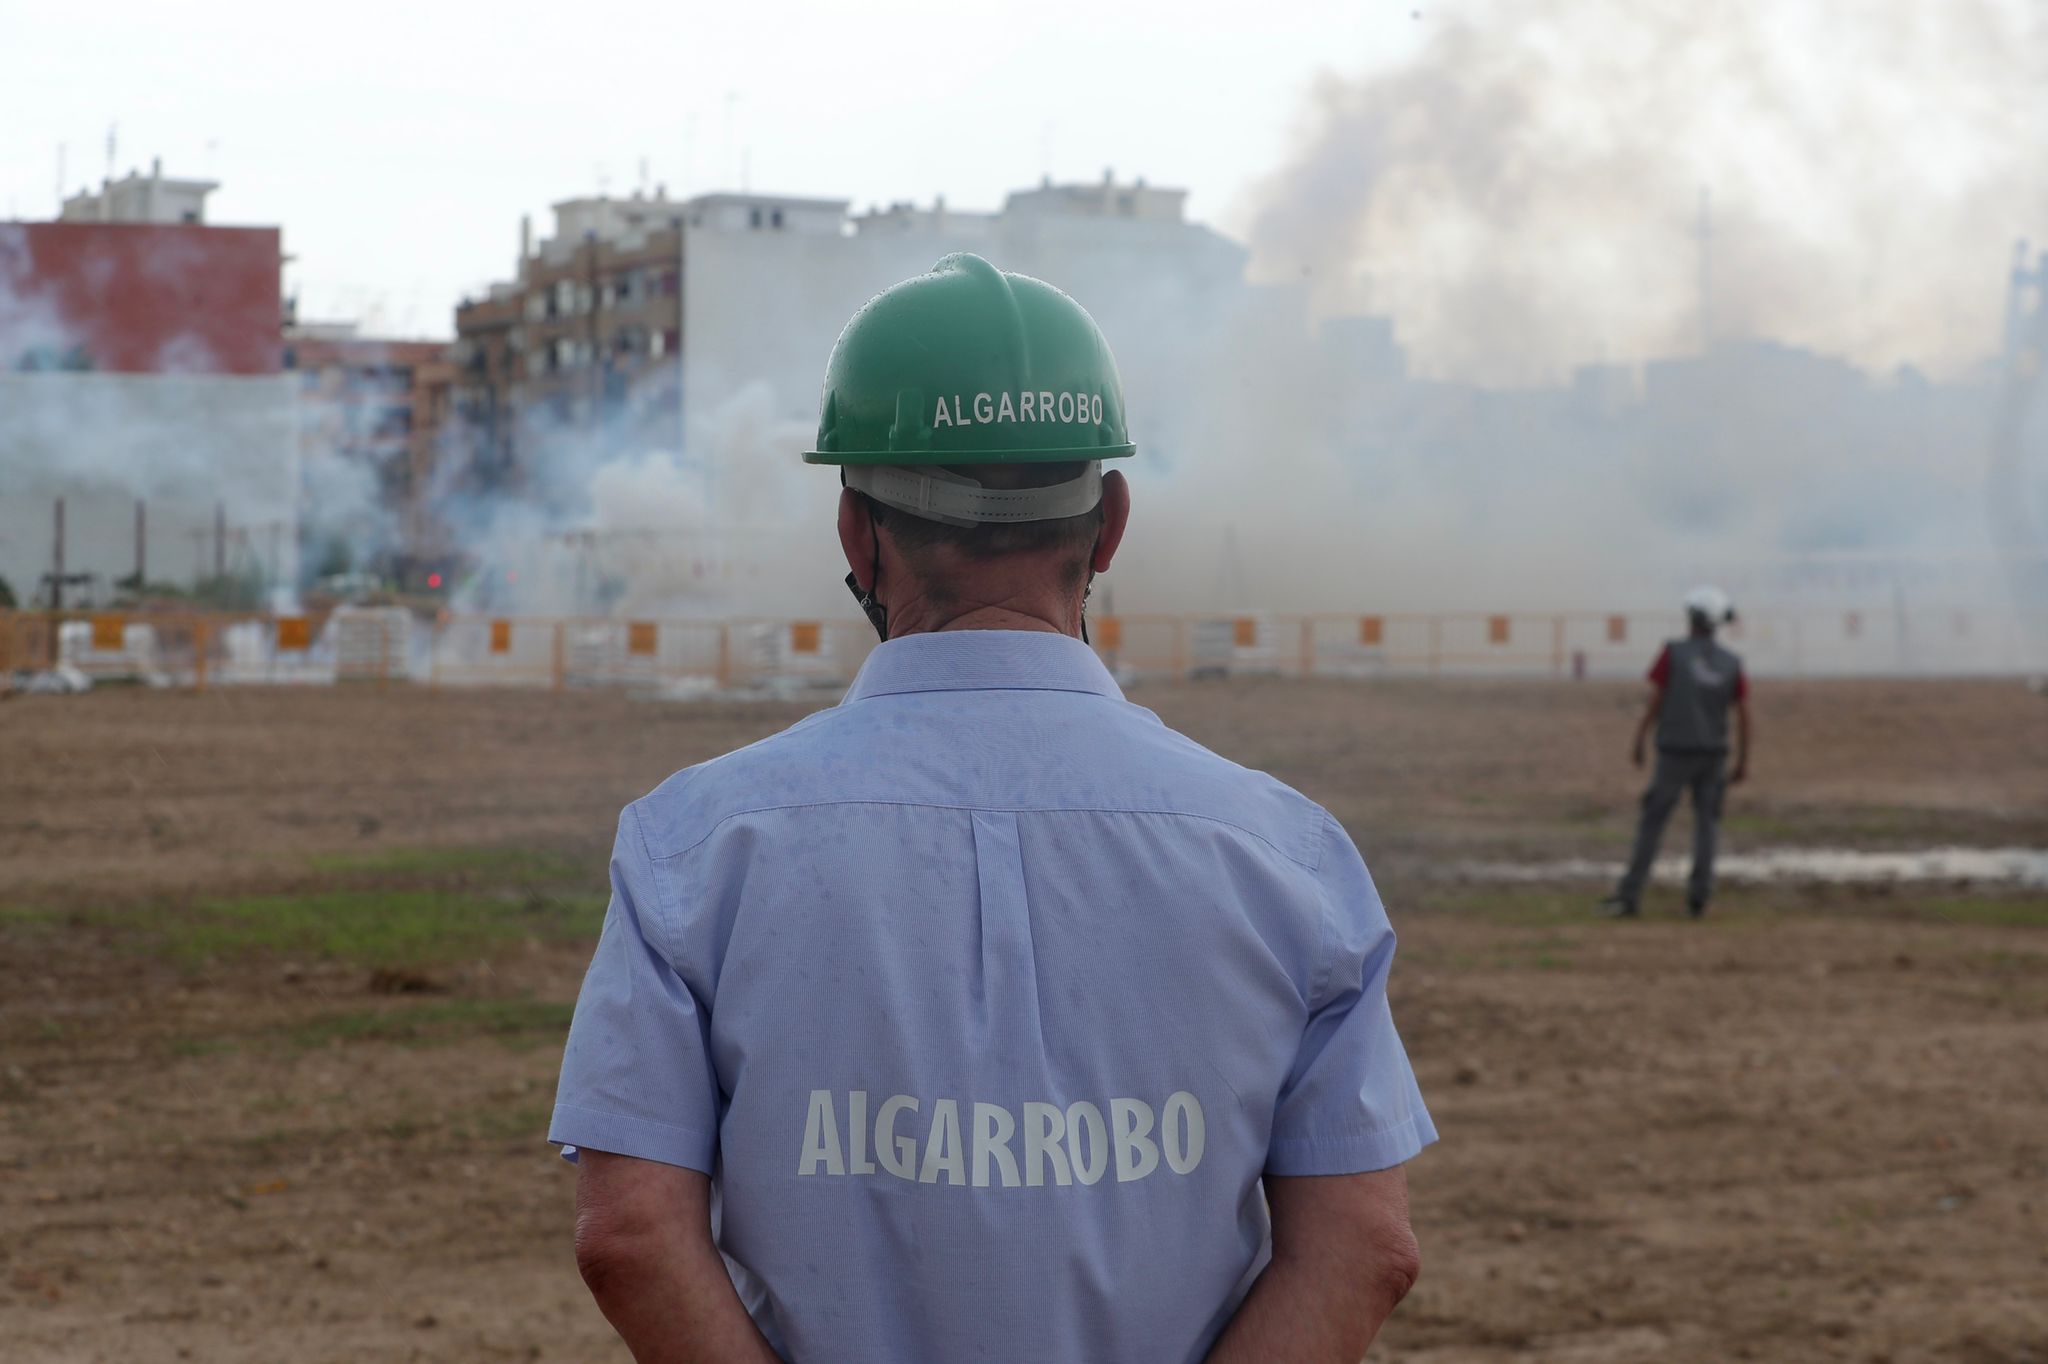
(983, 660)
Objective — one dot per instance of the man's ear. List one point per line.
(857, 537)
(1116, 515)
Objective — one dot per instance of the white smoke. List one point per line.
(1523, 195)
(611, 522)
(202, 449)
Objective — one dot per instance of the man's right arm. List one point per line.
(1646, 724)
(644, 1248)
(1344, 1256)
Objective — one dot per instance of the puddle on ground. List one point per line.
(2026, 867)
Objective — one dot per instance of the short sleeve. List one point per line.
(637, 1078)
(1741, 682)
(1351, 1103)
(1660, 671)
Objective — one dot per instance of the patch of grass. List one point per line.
(523, 1121)
(1540, 961)
(270, 1142)
(516, 1022)
(2000, 911)
(401, 907)
(1528, 906)
(524, 866)
(192, 1047)
(367, 927)
(1764, 828)
(29, 914)
(2032, 963)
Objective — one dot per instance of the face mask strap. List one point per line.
(877, 614)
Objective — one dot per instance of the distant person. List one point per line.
(982, 1016)
(1694, 683)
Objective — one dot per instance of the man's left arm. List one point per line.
(644, 1248)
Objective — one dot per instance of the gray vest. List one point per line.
(1697, 696)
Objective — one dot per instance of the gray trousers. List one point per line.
(1705, 774)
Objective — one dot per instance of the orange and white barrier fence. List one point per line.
(387, 644)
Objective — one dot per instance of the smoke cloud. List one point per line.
(1524, 195)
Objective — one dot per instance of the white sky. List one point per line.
(398, 144)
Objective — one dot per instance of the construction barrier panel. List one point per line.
(689, 656)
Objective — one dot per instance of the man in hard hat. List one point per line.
(983, 1016)
(1694, 684)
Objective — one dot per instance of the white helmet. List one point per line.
(1710, 604)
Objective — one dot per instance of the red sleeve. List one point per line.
(1741, 683)
(1660, 671)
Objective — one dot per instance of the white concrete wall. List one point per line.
(765, 308)
(184, 443)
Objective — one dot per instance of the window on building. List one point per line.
(753, 217)
(775, 218)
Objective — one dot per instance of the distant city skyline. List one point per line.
(399, 151)
(1516, 183)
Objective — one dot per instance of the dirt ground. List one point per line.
(284, 976)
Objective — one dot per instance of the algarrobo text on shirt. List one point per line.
(1070, 1145)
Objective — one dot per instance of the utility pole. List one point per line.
(107, 191)
(57, 561)
(220, 540)
(141, 545)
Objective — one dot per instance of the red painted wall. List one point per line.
(140, 298)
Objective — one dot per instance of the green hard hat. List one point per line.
(970, 365)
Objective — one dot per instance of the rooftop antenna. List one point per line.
(1705, 233)
(107, 197)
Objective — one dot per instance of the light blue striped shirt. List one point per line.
(986, 999)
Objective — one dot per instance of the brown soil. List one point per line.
(1812, 1127)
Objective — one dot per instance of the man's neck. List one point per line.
(1001, 618)
(925, 615)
